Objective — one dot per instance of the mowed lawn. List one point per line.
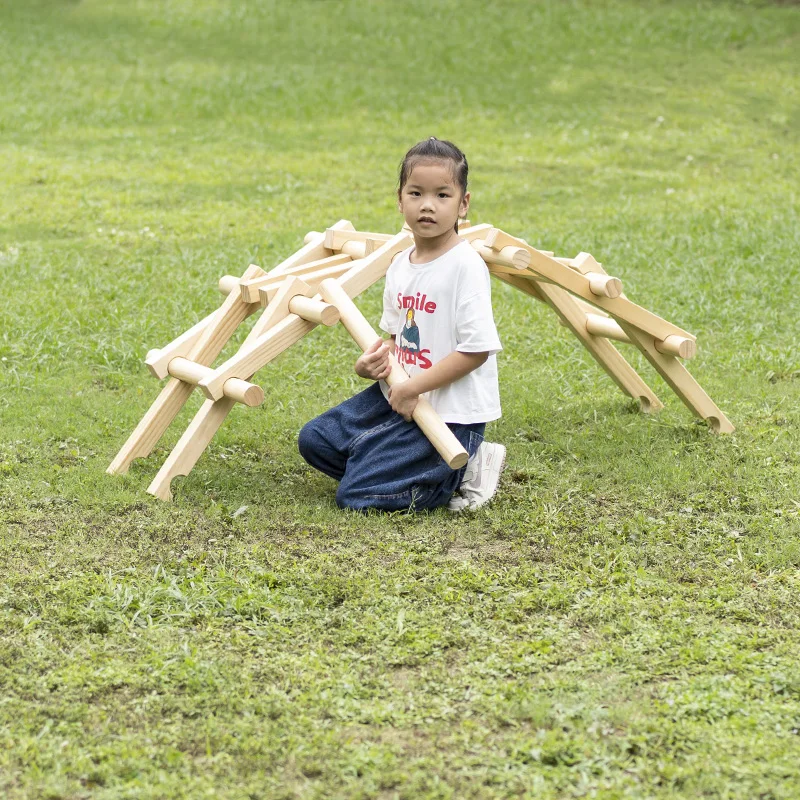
(622, 622)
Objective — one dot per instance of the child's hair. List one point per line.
(434, 149)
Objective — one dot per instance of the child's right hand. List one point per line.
(373, 363)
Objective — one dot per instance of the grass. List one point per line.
(621, 622)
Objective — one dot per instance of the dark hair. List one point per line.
(434, 149)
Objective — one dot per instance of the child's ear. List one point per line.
(464, 207)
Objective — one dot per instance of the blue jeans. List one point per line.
(380, 460)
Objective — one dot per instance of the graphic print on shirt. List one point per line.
(409, 347)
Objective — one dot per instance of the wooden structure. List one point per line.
(315, 286)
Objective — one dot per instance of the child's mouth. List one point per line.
(427, 220)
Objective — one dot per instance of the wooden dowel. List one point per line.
(431, 424)
(227, 284)
(677, 346)
(516, 257)
(239, 390)
(598, 325)
(266, 293)
(604, 285)
(314, 310)
(250, 289)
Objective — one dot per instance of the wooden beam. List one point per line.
(603, 352)
(173, 396)
(680, 381)
(250, 288)
(620, 308)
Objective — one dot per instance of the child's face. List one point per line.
(431, 200)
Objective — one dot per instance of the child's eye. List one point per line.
(414, 194)
(443, 194)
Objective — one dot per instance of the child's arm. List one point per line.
(403, 397)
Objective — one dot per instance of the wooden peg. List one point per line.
(677, 346)
(515, 257)
(228, 284)
(314, 310)
(598, 325)
(604, 285)
(250, 288)
(191, 372)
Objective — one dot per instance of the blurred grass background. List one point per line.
(621, 622)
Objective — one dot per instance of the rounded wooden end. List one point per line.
(604, 285)
(677, 346)
(311, 235)
(253, 396)
(243, 392)
(330, 315)
(521, 258)
(458, 460)
(228, 284)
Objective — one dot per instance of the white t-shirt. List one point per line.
(435, 308)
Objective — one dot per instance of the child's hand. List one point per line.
(373, 363)
(402, 401)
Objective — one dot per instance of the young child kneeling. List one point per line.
(437, 307)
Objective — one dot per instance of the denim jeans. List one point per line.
(380, 460)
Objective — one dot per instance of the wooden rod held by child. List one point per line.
(431, 424)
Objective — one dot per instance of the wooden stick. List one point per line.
(620, 308)
(173, 396)
(313, 311)
(212, 413)
(228, 284)
(236, 389)
(266, 293)
(431, 424)
(335, 238)
(680, 381)
(515, 257)
(603, 352)
(599, 325)
(250, 289)
(274, 341)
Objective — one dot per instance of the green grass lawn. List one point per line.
(621, 622)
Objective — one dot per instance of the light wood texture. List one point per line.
(245, 363)
(431, 424)
(250, 289)
(228, 284)
(335, 238)
(603, 285)
(205, 349)
(620, 308)
(266, 293)
(157, 360)
(372, 268)
(603, 352)
(677, 346)
(599, 325)
(191, 445)
(314, 310)
(515, 257)
(236, 389)
(213, 412)
(680, 381)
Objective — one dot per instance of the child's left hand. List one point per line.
(402, 401)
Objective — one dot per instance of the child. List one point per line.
(437, 308)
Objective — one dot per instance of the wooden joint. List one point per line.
(677, 346)
(191, 372)
(604, 285)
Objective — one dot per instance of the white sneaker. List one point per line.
(480, 478)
